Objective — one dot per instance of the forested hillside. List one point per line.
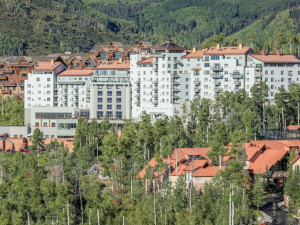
(190, 22)
(39, 27)
(36, 27)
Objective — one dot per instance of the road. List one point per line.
(281, 214)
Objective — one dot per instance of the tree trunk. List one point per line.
(28, 219)
(98, 216)
(154, 203)
(68, 213)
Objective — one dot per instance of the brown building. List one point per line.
(13, 72)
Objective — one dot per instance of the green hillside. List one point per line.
(36, 27)
(281, 31)
(190, 22)
(41, 27)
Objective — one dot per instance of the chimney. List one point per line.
(120, 60)
(278, 52)
(240, 46)
(52, 61)
(218, 46)
(263, 52)
(194, 50)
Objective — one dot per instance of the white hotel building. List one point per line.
(158, 83)
(40, 86)
(277, 70)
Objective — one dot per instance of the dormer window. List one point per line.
(117, 55)
(103, 55)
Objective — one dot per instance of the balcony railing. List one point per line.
(237, 75)
(216, 68)
(216, 75)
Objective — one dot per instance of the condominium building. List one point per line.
(41, 83)
(73, 87)
(158, 83)
(111, 91)
(223, 69)
(277, 70)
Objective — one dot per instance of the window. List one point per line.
(118, 115)
(272, 72)
(99, 99)
(117, 55)
(109, 100)
(119, 100)
(48, 85)
(100, 93)
(226, 79)
(99, 106)
(266, 72)
(109, 93)
(206, 64)
(266, 79)
(99, 115)
(44, 124)
(48, 79)
(109, 106)
(272, 79)
(282, 72)
(37, 124)
(109, 114)
(24, 75)
(215, 57)
(52, 124)
(119, 107)
(37, 79)
(188, 176)
(119, 93)
(103, 55)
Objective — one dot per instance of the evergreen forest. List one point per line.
(40, 27)
(54, 188)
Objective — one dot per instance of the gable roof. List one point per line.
(170, 45)
(76, 72)
(276, 58)
(231, 50)
(293, 127)
(266, 160)
(47, 66)
(114, 65)
(194, 55)
(146, 61)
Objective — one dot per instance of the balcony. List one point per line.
(3, 77)
(216, 75)
(155, 102)
(237, 82)
(236, 89)
(137, 95)
(176, 75)
(155, 89)
(137, 102)
(155, 82)
(217, 82)
(216, 68)
(216, 89)
(197, 82)
(138, 81)
(258, 74)
(197, 88)
(236, 75)
(9, 84)
(176, 81)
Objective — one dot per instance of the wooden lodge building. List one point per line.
(14, 70)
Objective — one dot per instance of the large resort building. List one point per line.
(121, 82)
